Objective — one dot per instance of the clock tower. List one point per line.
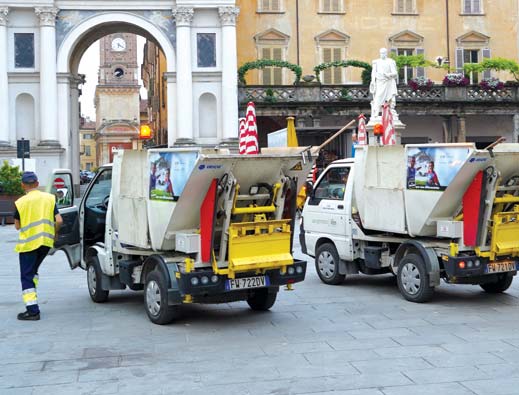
(117, 96)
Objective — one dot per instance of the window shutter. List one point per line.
(420, 71)
(393, 52)
(277, 54)
(337, 71)
(326, 5)
(275, 5)
(335, 6)
(266, 72)
(327, 73)
(264, 5)
(409, 6)
(486, 54)
(400, 5)
(459, 60)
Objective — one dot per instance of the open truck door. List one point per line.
(68, 240)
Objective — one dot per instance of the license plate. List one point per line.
(499, 267)
(234, 284)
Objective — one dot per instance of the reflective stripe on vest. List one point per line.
(36, 211)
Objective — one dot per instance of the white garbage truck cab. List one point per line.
(186, 226)
(424, 212)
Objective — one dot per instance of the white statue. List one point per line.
(383, 84)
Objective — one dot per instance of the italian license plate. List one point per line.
(234, 284)
(499, 267)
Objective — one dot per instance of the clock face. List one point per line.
(118, 44)
(118, 72)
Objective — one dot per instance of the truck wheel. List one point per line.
(156, 299)
(262, 299)
(94, 275)
(413, 279)
(327, 264)
(502, 284)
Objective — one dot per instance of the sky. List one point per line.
(89, 66)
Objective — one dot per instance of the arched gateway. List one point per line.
(40, 50)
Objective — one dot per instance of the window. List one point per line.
(405, 73)
(270, 6)
(331, 6)
(405, 7)
(24, 50)
(332, 75)
(472, 7)
(206, 49)
(89, 166)
(88, 150)
(472, 47)
(100, 192)
(272, 75)
(87, 136)
(332, 185)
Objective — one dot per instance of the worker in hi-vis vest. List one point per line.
(38, 220)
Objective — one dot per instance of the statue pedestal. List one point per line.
(397, 123)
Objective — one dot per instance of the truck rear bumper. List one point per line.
(206, 283)
(475, 270)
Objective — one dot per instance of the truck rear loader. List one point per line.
(187, 226)
(423, 212)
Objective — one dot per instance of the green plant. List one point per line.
(10, 180)
(366, 73)
(262, 63)
(345, 95)
(269, 96)
(497, 64)
(411, 61)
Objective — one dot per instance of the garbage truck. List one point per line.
(186, 225)
(423, 212)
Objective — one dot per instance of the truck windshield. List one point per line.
(100, 190)
(333, 184)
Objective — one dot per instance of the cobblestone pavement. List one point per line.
(360, 338)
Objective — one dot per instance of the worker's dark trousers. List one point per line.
(29, 264)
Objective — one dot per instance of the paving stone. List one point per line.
(390, 364)
(428, 389)
(498, 386)
(461, 360)
(445, 375)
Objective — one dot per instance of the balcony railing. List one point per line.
(360, 93)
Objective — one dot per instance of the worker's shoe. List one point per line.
(26, 316)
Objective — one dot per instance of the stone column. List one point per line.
(228, 17)
(462, 130)
(515, 134)
(75, 159)
(48, 78)
(446, 130)
(4, 81)
(171, 80)
(184, 98)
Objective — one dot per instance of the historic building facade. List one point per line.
(117, 98)
(310, 32)
(41, 45)
(87, 144)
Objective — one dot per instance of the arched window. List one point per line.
(25, 117)
(272, 44)
(207, 118)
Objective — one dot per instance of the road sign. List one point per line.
(59, 183)
(23, 149)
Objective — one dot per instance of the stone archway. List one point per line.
(60, 37)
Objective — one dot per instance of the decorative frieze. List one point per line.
(228, 15)
(47, 15)
(183, 15)
(4, 16)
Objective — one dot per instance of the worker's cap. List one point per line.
(29, 177)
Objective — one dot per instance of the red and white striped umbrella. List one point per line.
(362, 133)
(251, 130)
(243, 131)
(387, 124)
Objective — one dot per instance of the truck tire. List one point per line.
(262, 299)
(156, 299)
(94, 274)
(413, 279)
(327, 264)
(502, 284)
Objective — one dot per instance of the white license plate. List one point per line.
(499, 267)
(234, 284)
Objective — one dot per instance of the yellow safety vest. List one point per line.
(36, 211)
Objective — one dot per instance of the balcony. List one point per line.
(353, 99)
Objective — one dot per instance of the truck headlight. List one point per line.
(205, 280)
(194, 281)
(299, 269)
(214, 278)
(291, 270)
